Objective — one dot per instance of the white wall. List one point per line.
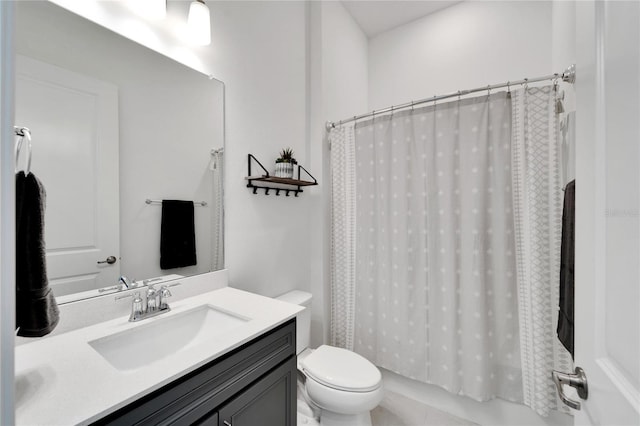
(338, 86)
(468, 45)
(163, 107)
(259, 50)
(344, 63)
(563, 41)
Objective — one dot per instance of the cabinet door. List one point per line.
(271, 401)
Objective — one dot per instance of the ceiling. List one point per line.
(375, 17)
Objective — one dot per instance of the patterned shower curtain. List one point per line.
(343, 238)
(537, 187)
(445, 245)
(435, 276)
(217, 210)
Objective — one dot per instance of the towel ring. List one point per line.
(23, 133)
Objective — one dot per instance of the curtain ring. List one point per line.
(488, 90)
(412, 104)
(434, 101)
(526, 84)
(459, 94)
(508, 87)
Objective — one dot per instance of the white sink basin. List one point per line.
(163, 337)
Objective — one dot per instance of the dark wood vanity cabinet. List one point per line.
(253, 385)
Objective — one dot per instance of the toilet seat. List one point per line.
(341, 369)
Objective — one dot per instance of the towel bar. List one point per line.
(195, 203)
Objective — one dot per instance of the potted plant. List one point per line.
(284, 164)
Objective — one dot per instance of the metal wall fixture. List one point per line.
(195, 203)
(23, 134)
(568, 76)
(267, 178)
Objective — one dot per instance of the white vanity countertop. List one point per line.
(62, 380)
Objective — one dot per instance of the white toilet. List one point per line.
(342, 384)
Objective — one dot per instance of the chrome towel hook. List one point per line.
(22, 133)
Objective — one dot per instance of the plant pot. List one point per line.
(284, 170)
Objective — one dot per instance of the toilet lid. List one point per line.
(341, 369)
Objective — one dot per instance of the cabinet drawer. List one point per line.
(191, 397)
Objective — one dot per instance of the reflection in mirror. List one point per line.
(114, 124)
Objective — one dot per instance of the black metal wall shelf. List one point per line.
(267, 178)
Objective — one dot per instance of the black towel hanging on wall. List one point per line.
(177, 234)
(36, 308)
(567, 262)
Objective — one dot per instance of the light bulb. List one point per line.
(199, 23)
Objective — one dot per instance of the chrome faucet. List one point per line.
(156, 303)
(124, 283)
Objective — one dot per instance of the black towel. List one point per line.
(177, 235)
(36, 308)
(567, 260)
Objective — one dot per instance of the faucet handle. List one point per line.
(164, 294)
(152, 294)
(136, 306)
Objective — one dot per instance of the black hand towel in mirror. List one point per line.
(177, 234)
(567, 260)
(36, 308)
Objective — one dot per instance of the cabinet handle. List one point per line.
(226, 423)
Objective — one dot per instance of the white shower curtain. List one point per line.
(217, 210)
(435, 279)
(343, 238)
(537, 186)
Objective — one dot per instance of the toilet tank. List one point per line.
(303, 318)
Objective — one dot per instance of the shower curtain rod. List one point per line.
(569, 76)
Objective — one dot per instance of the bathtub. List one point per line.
(497, 412)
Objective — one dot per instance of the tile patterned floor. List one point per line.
(398, 410)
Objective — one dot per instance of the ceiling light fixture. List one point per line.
(199, 23)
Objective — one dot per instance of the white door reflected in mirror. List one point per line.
(74, 124)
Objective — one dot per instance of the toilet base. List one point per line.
(329, 418)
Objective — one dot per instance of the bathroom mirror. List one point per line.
(116, 128)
